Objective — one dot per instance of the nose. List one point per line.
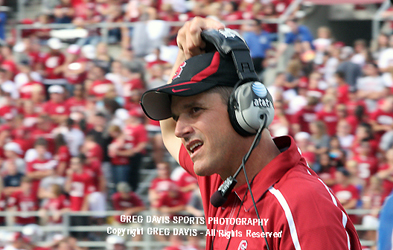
(183, 128)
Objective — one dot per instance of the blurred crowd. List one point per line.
(73, 136)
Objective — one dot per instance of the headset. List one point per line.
(250, 102)
(250, 105)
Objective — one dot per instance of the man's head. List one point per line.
(293, 24)
(76, 163)
(40, 146)
(123, 188)
(56, 93)
(198, 99)
(163, 170)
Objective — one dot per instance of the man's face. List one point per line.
(202, 122)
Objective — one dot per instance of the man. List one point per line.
(203, 141)
(24, 200)
(259, 42)
(56, 107)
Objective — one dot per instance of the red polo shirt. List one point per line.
(298, 211)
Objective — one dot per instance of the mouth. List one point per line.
(194, 146)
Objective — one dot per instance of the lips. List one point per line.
(194, 146)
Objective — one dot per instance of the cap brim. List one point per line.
(156, 103)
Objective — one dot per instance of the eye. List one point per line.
(195, 110)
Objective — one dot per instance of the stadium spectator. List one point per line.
(44, 190)
(328, 114)
(13, 152)
(346, 193)
(64, 12)
(344, 135)
(24, 200)
(186, 182)
(306, 147)
(127, 201)
(367, 163)
(164, 194)
(385, 173)
(100, 85)
(350, 71)
(41, 166)
(120, 163)
(322, 44)
(362, 54)
(73, 136)
(306, 115)
(364, 132)
(12, 178)
(136, 139)
(92, 149)
(371, 87)
(56, 204)
(79, 184)
(102, 58)
(56, 108)
(52, 64)
(382, 119)
(280, 123)
(194, 205)
(372, 199)
(258, 41)
(297, 33)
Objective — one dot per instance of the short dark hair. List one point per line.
(224, 91)
(41, 141)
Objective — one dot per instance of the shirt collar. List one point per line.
(272, 172)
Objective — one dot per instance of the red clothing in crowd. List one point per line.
(95, 152)
(52, 108)
(81, 186)
(342, 94)
(367, 166)
(134, 135)
(76, 105)
(24, 203)
(330, 119)
(304, 117)
(3, 206)
(234, 16)
(39, 165)
(26, 91)
(99, 88)
(387, 184)
(10, 66)
(56, 204)
(117, 159)
(185, 180)
(345, 195)
(120, 204)
(95, 170)
(51, 62)
(78, 78)
(383, 118)
(290, 210)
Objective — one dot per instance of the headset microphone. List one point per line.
(221, 195)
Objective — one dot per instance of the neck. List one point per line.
(265, 152)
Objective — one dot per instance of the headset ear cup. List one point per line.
(250, 106)
(232, 106)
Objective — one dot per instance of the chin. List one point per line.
(202, 169)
